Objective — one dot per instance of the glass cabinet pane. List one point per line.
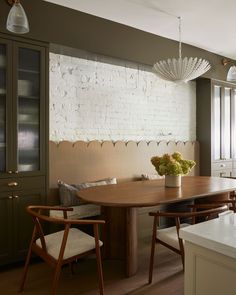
(217, 125)
(233, 127)
(2, 108)
(226, 126)
(28, 109)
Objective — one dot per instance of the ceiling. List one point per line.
(206, 24)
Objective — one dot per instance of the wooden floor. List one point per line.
(167, 279)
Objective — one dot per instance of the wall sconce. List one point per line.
(231, 76)
(17, 21)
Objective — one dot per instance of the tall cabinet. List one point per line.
(216, 127)
(23, 140)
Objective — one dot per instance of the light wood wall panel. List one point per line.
(88, 161)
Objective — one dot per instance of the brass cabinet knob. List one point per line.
(16, 171)
(12, 184)
(9, 172)
(10, 197)
(16, 197)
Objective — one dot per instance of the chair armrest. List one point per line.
(170, 214)
(51, 208)
(216, 203)
(209, 211)
(81, 221)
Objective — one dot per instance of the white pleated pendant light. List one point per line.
(181, 69)
(17, 21)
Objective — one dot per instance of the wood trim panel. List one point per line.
(88, 161)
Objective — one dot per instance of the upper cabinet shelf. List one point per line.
(2, 59)
(29, 71)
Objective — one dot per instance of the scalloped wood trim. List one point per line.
(126, 143)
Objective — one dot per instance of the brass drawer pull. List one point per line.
(12, 184)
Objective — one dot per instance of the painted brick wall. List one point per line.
(109, 99)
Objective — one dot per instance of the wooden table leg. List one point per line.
(131, 242)
(120, 236)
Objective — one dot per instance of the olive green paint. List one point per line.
(56, 24)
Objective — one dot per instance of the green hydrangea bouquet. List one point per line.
(172, 164)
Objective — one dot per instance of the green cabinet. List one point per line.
(23, 139)
(16, 226)
(216, 127)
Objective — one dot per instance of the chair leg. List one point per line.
(182, 258)
(25, 271)
(56, 278)
(98, 259)
(72, 268)
(99, 268)
(151, 261)
(181, 246)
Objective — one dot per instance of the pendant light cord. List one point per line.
(180, 41)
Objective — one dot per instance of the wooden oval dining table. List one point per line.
(120, 202)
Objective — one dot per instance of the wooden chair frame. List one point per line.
(209, 211)
(38, 218)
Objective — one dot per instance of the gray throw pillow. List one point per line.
(151, 176)
(67, 192)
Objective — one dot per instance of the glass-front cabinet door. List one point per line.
(28, 110)
(223, 122)
(5, 106)
(3, 74)
(217, 122)
(22, 107)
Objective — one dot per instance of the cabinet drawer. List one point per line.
(222, 165)
(222, 173)
(21, 183)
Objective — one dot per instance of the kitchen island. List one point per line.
(210, 257)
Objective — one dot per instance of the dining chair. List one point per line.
(169, 237)
(64, 246)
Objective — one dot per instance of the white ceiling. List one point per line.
(208, 24)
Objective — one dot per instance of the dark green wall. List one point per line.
(60, 25)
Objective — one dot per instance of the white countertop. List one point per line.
(218, 235)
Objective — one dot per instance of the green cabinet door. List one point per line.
(6, 228)
(23, 103)
(23, 225)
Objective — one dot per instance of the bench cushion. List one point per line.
(67, 192)
(81, 211)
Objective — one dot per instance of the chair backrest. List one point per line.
(231, 203)
(207, 212)
(59, 241)
(40, 215)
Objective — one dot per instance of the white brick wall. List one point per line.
(110, 99)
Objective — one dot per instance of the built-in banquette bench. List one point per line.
(80, 162)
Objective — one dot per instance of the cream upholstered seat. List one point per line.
(77, 243)
(64, 246)
(169, 237)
